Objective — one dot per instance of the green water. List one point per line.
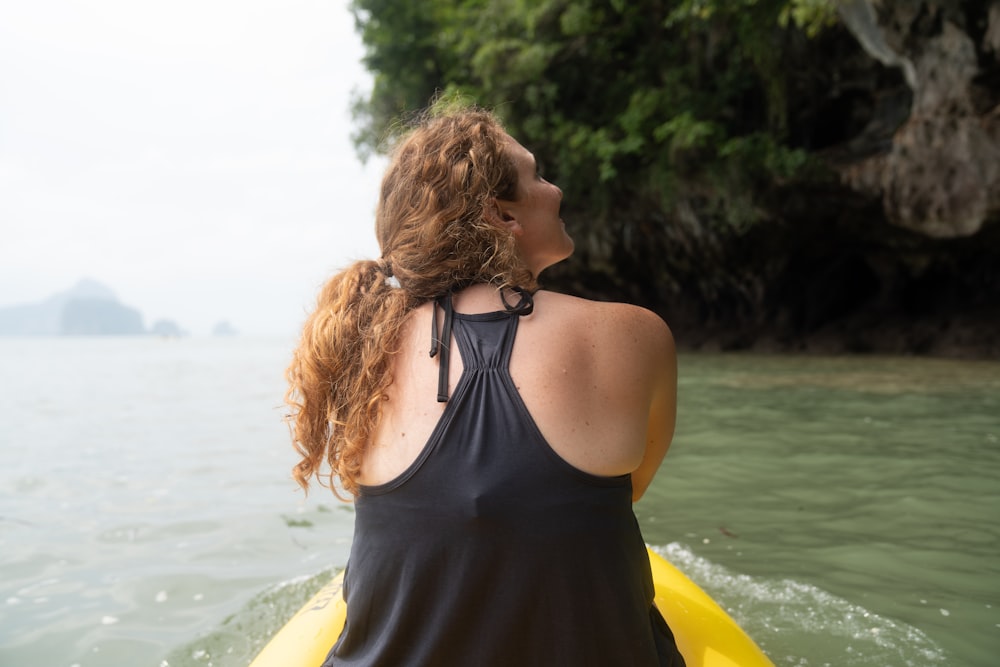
(846, 511)
(875, 480)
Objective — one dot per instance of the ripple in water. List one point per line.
(240, 637)
(796, 624)
(800, 624)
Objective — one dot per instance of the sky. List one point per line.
(192, 155)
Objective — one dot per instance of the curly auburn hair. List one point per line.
(436, 224)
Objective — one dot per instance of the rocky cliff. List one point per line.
(940, 175)
(890, 244)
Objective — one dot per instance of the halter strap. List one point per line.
(442, 344)
(524, 306)
(525, 302)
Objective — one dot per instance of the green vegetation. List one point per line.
(724, 161)
(620, 101)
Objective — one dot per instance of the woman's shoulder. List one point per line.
(604, 318)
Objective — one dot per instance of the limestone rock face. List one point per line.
(941, 177)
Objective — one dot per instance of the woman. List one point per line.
(493, 436)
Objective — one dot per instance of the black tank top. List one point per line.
(490, 549)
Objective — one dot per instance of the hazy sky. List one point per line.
(193, 155)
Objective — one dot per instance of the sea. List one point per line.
(844, 510)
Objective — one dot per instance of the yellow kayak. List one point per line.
(705, 634)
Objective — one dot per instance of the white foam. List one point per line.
(825, 627)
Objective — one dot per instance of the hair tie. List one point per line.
(384, 266)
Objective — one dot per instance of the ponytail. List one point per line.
(436, 228)
(340, 371)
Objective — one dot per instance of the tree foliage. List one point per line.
(617, 99)
(691, 139)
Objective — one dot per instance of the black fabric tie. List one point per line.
(525, 302)
(442, 344)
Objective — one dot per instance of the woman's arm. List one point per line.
(662, 362)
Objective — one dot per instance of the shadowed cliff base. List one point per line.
(826, 275)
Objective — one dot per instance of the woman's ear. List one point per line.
(503, 213)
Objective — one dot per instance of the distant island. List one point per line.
(224, 328)
(87, 309)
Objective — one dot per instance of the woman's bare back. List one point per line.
(599, 380)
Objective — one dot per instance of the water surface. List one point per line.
(843, 509)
